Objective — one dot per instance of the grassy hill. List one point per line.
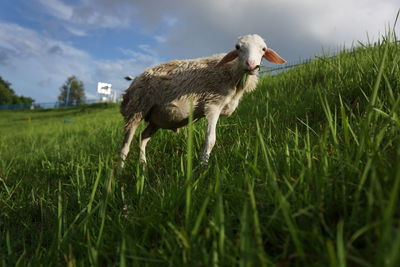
(306, 172)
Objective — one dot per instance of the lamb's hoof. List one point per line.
(121, 164)
(204, 160)
(203, 164)
(120, 167)
(202, 167)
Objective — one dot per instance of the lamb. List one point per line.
(212, 86)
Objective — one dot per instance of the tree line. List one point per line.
(8, 96)
(73, 91)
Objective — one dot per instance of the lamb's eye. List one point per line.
(264, 49)
(237, 47)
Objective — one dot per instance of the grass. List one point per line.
(305, 173)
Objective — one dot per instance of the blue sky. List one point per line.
(42, 42)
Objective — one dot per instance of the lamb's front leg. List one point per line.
(212, 119)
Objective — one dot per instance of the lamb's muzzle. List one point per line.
(213, 86)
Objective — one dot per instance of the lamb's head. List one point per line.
(249, 50)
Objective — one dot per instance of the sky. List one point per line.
(43, 42)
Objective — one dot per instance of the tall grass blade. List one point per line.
(189, 169)
(340, 246)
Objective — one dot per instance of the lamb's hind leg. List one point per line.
(130, 129)
(146, 135)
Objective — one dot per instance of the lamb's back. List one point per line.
(176, 78)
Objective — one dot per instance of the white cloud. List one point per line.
(196, 28)
(23, 42)
(160, 39)
(76, 31)
(37, 66)
(170, 21)
(147, 58)
(343, 21)
(57, 8)
(147, 49)
(297, 28)
(294, 28)
(94, 19)
(88, 14)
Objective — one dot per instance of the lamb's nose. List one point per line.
(251, 64)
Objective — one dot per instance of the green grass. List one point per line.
(305, 173)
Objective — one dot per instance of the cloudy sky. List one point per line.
(42, 42)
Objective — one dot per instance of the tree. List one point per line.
(8, 96)
(76, 91)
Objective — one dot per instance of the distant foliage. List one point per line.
(8, 96)
(76, 90)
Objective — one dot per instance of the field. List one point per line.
(305, 173)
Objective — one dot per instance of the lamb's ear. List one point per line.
(228, 57)
(272, 56)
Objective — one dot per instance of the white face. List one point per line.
(251, 49)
